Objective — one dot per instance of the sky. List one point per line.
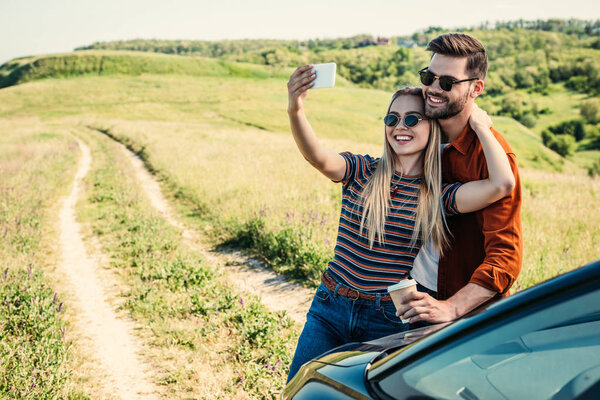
(32, 27)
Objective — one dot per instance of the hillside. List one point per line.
(541, 72)
(221, 146)
(107, 63)
(538, 69)
(335, 113)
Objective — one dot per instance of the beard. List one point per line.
(451, 109)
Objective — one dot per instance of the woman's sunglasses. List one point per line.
(410, 120)
(446, 82)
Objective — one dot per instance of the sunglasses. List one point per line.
(410, 120)
(446, 82)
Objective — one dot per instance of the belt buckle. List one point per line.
(357, 295)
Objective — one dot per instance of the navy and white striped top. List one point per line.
(373, 270)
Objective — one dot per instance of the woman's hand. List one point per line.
(298, 85)
(479, 119)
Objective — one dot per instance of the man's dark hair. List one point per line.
(461, 45)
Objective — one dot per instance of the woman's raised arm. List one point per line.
(475, 195)
(328, 162)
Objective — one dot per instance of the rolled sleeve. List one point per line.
(503, 242)
(449, 198)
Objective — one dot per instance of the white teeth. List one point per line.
(402, 137)
(433, 99)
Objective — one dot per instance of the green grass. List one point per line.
(106, 63)
(36, 165)
(210, 342)
(528, 146)
(563, 105)
(222, 148)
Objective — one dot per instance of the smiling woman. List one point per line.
(389, 206)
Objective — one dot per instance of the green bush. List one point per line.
(289, 250)
(590, 110)
(562, 144)
(594, 170)
(528, 120)
(574, 127)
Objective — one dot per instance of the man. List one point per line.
(486, 249)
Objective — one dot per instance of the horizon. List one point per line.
(37, 27)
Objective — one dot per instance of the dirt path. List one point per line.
(107, 337)
(246, 274)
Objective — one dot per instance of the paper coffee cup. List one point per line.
(400, 289)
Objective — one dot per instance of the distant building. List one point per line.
(381, 41)
(366, 42)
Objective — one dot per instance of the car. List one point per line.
(540, 343)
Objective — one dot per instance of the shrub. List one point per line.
(574, 127)
(528, 120)
(289, 250)
(590, 110)
(562, 144)
(594, 170)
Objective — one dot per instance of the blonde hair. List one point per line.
(376, 199)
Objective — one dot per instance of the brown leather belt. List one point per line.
(348, 292)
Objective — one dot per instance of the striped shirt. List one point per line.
(373, 270)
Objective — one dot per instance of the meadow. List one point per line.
(35, 165)
(207, 341)
(220, 145)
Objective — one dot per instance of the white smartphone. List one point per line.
(325, 75)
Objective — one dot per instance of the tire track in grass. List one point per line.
(248, 275)
(113, 344)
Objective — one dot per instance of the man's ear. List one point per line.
(477, 88)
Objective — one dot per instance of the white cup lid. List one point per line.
(402, 284)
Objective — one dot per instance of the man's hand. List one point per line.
(419, 306)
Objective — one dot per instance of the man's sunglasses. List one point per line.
(446, 82)
(410, 120)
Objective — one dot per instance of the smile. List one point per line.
(403, 138)
(434, 100)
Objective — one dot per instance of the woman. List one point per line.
(390, 205)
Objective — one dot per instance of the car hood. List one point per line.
(344, 367)
(378, 347)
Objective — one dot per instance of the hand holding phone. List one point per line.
(325, 75)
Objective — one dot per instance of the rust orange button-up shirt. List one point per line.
(486, 247)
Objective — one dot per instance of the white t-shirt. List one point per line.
(425, 266)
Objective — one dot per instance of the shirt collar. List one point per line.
(464, 140)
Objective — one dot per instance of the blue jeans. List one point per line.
(333, 320)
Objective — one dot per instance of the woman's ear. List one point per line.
(477, 88)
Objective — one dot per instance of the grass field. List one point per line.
(36, 164)
(220, 145)
(207, 341)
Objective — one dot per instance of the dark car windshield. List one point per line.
(544, 353)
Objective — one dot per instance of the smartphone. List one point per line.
(325, 75)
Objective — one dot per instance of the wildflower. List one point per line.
(60, 306)
(54, 299)
(241, 301)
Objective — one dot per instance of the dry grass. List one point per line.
(561, 223)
